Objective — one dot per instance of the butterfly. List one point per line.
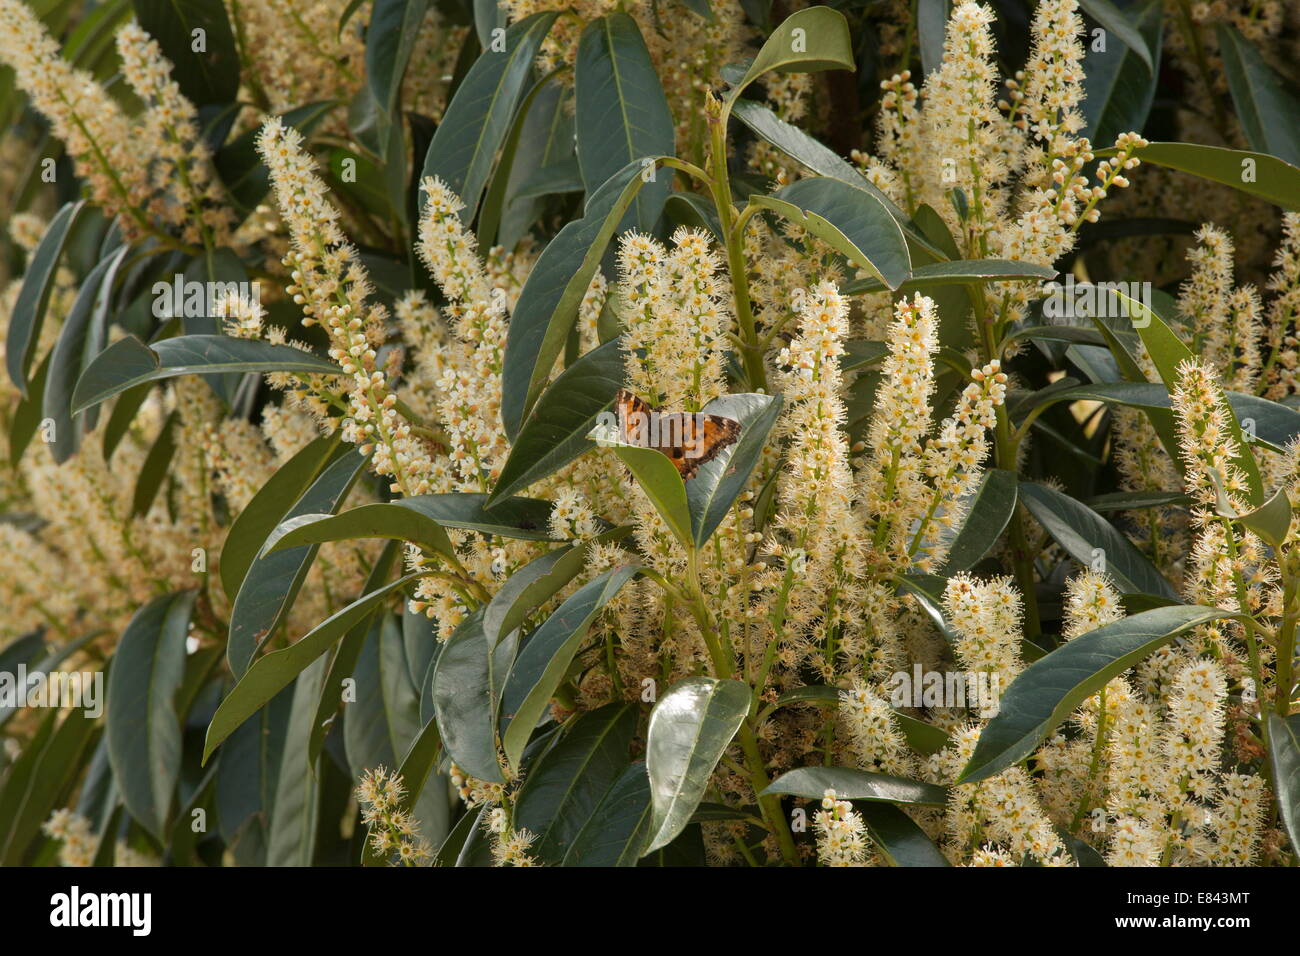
(688, 439)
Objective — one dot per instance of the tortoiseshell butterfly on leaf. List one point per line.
(688, 439)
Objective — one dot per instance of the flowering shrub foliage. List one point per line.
(700, 431)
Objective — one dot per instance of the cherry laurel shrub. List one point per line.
(722, 432)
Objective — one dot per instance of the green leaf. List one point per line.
(344, 659)
(478, 118)
(988, 512)
(713, 489)
(1271, 520)
(618, 827)
(527, 519)
(555, 432)
(808, 151)
(28, 313)
(395, 520)
(463, 700)
(621, 112)
(964, 272)
(851, 784)
(897, 837)
(807, 41)
(128, 362)
(931, 29)
(545, 658)
(1118, 23)
(210, 76)
(144, 731)
(273, 672)
(690, 728)
(1284, 752)
(548, 303)
(1081, 532)
(1048, 690)
(249, 770)
(563, 789)
(15, 653)
(922, 737)
(657, 476)
(1119, 86)
(535, 583)
(28, 798)
(273, 581)
(390, 39)
(1266, 108)
(296, 811)
(1136, 500)
(269, 506)
(1257, 174)
(80, 340)
(155, 467)
(850, 220)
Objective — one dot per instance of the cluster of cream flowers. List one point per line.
(394, 833)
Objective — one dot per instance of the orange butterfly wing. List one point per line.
(702, 435)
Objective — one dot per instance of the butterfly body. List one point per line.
(687, 439)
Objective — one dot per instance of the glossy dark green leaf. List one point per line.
(463, 701)
(714, 488)
(1271, 520)
(295, 814)
(963, 272)
(343, 662)
(807, 41)
(563, 789)
(273, 581)
(1089, 538)
(80, 339)
(1049, 689)
(548, 303)
(249, 770)
(207, 76)
(1266, 108)
(1284, 743)
(17, 652)
(545, 658)
(657, 476)
(931, 27)
(144, 731)
(390, 39)
(690, 727)
(622, 114)
(618, 827)
(272, 501)
(555, 432)
(988, 512)
(29, 308)
(1257, 174)
(535, 583)
(479, 115)
(396, 520)
(128, 362)
(154, 469)
(1136, 500)
(1119, 23)
(1119, 85)
(28, 799)
(851, 220)
(897, 837)
(275, 671)
(851, 784)
(527, 519)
